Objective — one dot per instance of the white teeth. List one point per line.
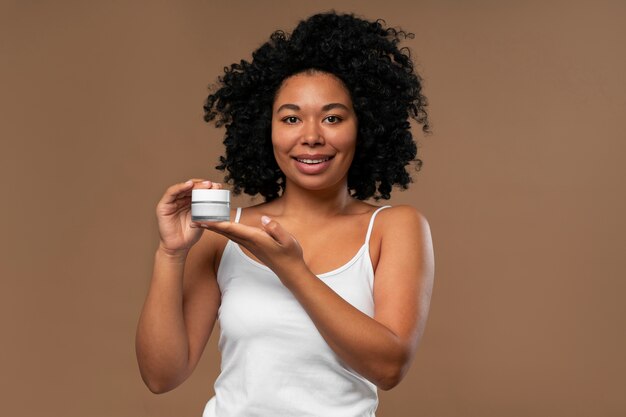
(313, 161)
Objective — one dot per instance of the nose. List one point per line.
(312, 135)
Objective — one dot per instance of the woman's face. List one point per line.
(314, 131)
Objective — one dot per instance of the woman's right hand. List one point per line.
(174, 216)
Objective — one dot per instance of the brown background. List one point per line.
(523, 184)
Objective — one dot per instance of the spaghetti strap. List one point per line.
(238, 215)
(371, 225)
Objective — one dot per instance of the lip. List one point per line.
(312, 169)
(312, 156)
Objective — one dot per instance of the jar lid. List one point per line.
(210, 196)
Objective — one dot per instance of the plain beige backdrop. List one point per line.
(523, 184)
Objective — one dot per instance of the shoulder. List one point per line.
(401, 217)
(251, 210)
(399, 231)
(402, 226)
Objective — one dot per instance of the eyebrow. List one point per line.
(326, 107)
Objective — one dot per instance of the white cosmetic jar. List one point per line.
(210, 205)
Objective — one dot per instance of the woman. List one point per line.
(322, 298)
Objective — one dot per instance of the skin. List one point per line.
(314, 227)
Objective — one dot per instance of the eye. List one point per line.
(290, 120)
(333, 119)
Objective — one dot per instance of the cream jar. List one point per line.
(210, 205)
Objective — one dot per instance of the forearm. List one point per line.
(364, 344)
(162, 344)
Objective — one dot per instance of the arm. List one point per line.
(380, 348)
(181, 306)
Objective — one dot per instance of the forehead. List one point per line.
(316, 87)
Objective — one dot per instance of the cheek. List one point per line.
(280, 149)
(346, 139)
(283, 138)
(279, 144)
(276, 138)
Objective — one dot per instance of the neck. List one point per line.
(299, 202)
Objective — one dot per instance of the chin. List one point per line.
(316, 184)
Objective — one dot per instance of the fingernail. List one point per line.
(206, 182)
(265, 220)
(189, 182)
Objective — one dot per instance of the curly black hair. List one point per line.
(385, 89)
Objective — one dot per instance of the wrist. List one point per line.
(292, 272)
(172, 254)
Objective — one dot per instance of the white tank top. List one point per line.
(275, 363)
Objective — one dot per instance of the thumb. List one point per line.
(276, 231)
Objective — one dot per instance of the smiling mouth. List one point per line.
(313, 161)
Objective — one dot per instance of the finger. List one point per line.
(235, 230)
(198, 183)
(173, 192)
(181, 203)
(224, 231)
(203, 184)
(276, 231)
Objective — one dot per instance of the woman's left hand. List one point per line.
(270, 243)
